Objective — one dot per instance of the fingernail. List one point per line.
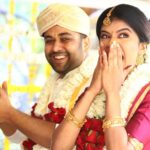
(114, 44)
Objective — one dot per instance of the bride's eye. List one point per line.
(123, 35)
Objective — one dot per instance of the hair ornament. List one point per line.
(107, 19)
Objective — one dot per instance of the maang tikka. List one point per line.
(107, 20)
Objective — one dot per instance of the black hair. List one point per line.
(131, 15)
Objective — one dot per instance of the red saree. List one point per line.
(139, 124)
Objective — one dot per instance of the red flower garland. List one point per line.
(28, 144)
(91, 136)
(55, 115)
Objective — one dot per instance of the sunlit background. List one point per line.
(22, 61)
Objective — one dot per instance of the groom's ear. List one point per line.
(4, 86)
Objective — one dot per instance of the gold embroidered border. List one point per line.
(76, 93)
(139, 102)
(136, 144)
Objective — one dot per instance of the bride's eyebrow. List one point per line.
(103, 31)
(124, 29)
(120, 30)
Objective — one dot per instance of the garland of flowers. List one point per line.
(91, 136)
(60, 91)
(132, 85)
(59, 106)
(55, 97)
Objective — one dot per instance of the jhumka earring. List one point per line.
(141, 56)
(107, 20)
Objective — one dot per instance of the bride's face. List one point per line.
(125, 36)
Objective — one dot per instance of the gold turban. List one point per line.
(67, 16)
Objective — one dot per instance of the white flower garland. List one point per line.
(60, 90)
(133, 84)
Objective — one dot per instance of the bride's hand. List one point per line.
(113, 73)
(96, 83)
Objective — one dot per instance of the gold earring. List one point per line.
(141, 56)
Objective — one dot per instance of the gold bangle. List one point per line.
(113, 122)
(71, 117)
(135, 143)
